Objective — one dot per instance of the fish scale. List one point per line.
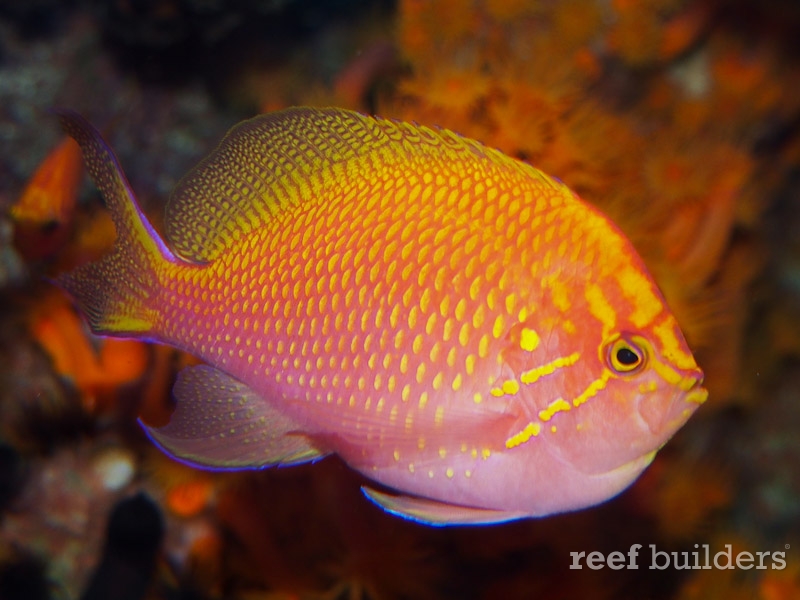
(452, 322)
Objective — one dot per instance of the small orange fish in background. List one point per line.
(452, 322)
(96, 371)
(43, 213)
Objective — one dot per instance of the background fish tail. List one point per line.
(116, 293)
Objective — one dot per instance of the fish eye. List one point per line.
(624, 356)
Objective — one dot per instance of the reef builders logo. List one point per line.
(700, 558)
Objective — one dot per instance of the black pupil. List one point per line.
(627, 357)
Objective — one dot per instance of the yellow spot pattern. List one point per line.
(529, 340)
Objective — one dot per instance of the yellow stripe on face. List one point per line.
(672, 377)
(535, 374)
(554, 407)
(511, 387)
(593, 388)
(600, 308)
(531, 430)
(671, 346)
(638, 289)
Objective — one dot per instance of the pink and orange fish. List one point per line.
(451, 322)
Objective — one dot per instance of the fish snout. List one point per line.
(692, 385)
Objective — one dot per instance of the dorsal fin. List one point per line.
(268, 163)
(257, 170)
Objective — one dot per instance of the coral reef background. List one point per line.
(678, 118)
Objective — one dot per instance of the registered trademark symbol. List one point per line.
(786, 546)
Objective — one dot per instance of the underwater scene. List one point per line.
(399, 299)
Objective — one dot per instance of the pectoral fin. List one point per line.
(221, 423)
(438, 514)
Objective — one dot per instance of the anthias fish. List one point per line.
(451, 322)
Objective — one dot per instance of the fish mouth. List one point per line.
(697, 396)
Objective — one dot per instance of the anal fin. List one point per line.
(220, 423)
(438, 514)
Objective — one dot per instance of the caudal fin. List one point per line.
(116, 293)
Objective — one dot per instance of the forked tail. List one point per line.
(118, 292)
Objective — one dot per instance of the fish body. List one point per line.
(450, 321)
